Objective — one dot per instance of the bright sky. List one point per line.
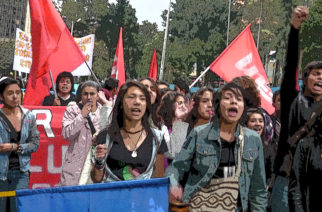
(150, 10)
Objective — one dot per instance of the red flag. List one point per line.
(241, 58)
(53, 48)
(118, 70)
(153, 72)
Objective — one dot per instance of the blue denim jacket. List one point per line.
(200, 157)
(29, 141)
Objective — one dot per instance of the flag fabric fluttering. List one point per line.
(241, 58)
(153, 72)
(53, 48)
(118, 70)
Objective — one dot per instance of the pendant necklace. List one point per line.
(134, 152)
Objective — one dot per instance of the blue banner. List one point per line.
(135, 196)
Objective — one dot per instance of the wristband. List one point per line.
(11, 147)
(20, 149)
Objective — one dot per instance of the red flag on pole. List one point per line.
(53, 48)
(118, 70)
(153, 72)
(241, 58)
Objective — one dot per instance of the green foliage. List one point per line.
(102, 63)
(311, 33)
(6, 56)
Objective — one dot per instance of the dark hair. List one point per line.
(238, 91)
(252, 95)
(156, 120)
(111, 83)
(164, 91)
(275, 94)
(63, 75)
(307, 70)
(194, 115)
(163, 83)
(78, 97)
(166, 108)
(6, 82)
(117, 121)
(181, 84)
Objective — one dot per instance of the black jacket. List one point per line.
(49, 100)
(306, 176)
(288, 94)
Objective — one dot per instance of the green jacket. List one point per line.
(200, 156)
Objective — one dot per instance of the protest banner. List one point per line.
(23, 53)
(46, 162)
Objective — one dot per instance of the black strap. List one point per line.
(91, 125)
(10, 128)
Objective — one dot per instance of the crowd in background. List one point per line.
(213, 145)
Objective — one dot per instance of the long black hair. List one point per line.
(117, 121)
(166, 110)
(194, 115)
(156, 120)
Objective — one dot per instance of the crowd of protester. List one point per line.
(220, 149)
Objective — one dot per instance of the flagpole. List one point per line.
(52, 82)
(201, 75)
(165, 43)
(228, 23)
(99, 84)
(259, 25)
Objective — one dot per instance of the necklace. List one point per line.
(134, 152)
(129, 132)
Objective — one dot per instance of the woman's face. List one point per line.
(11, 96)
(256, 122)
(89, 94)
(205, 108)
(64, 85)
(151, 89)
(180, 101)
(231, 106)
(134, 104)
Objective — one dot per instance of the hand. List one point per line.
(56, 102)
(182, 111)
(175, 193)
(300, 14)
(5, 147)
(134, 172)
(100, 151)
(103, 99)
(86, 109)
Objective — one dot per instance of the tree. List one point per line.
(310, 35)
(7, 51)
(102, 62)
(121, 14)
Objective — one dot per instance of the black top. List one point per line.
(14, 158)
(49, 100)
(227, 165)
(120, 159)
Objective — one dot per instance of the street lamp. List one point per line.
(72, 28)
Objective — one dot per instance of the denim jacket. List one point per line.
(200, 156)
(29, 142)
